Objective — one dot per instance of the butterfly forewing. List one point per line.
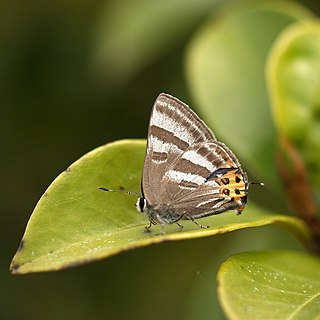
(173, 128)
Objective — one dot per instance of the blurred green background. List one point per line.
(75, 75)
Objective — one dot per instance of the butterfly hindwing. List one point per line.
(202, 181)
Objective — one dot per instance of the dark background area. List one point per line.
(56, 105)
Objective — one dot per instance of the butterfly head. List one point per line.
(141, 204)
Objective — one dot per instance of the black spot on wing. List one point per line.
(225, 180)
(226, 192)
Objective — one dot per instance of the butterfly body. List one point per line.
(187, 173)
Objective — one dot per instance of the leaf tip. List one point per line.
(14, 268)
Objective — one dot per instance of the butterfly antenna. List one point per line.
(122, 191)
(254, 182)
(250, 183)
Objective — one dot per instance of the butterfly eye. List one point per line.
(141, 204)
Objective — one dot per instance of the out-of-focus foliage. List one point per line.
(226, 61)
(294, 79)
(130, 35)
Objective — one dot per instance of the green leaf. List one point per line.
(75, 223)
(270, 285)
(225, 69)
(294, 83)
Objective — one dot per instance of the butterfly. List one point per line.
(188, 174)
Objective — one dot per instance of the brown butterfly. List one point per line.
(188, 174)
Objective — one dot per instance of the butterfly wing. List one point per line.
(173, 128)
(206, 179)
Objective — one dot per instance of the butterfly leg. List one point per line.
(198, 224)
(148, 227)
(180, 225)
